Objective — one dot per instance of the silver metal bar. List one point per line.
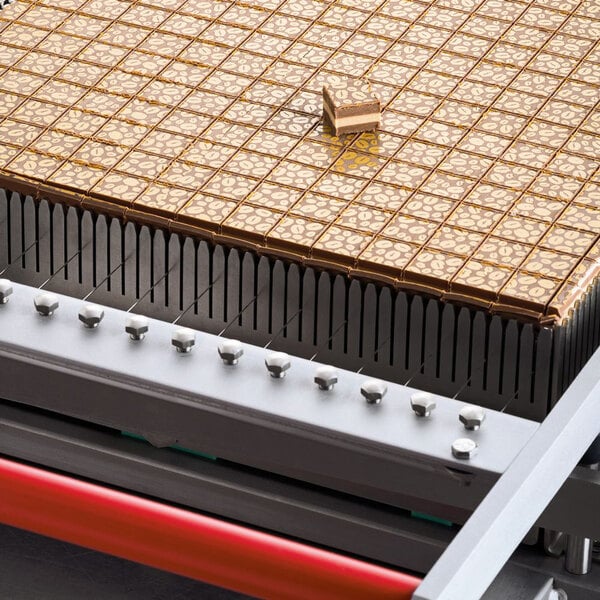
(554, 542)
(360, 528)
(578, 552)
(200, 382)
(578, 557)
(518, 583)
(481, 548)
(221, 488)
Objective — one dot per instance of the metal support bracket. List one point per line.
(484, 544)
(285, 425)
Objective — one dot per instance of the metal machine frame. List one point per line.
(321, 466)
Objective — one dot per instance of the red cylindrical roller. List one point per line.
(183, 542)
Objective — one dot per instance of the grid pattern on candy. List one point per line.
(482, 181)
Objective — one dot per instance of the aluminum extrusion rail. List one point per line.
(257, 499)
(238, 412)
(496, 528)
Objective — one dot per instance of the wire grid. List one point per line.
(482, 183)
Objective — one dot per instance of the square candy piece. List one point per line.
(351, 107)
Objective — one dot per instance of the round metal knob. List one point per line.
(464, 448)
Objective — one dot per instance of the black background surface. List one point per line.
(33, 567)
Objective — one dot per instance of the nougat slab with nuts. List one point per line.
(351, 107)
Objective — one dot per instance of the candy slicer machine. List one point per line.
(286, 448)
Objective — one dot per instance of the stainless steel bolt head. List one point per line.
(91, 315)
(277, 364)
(472, 417)
(6, 290)
(464, 448)
(373, 390)
(422, 403)
(45, 303)
(137, 327)
(326, 377)
(183, 339)
(230, 351)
